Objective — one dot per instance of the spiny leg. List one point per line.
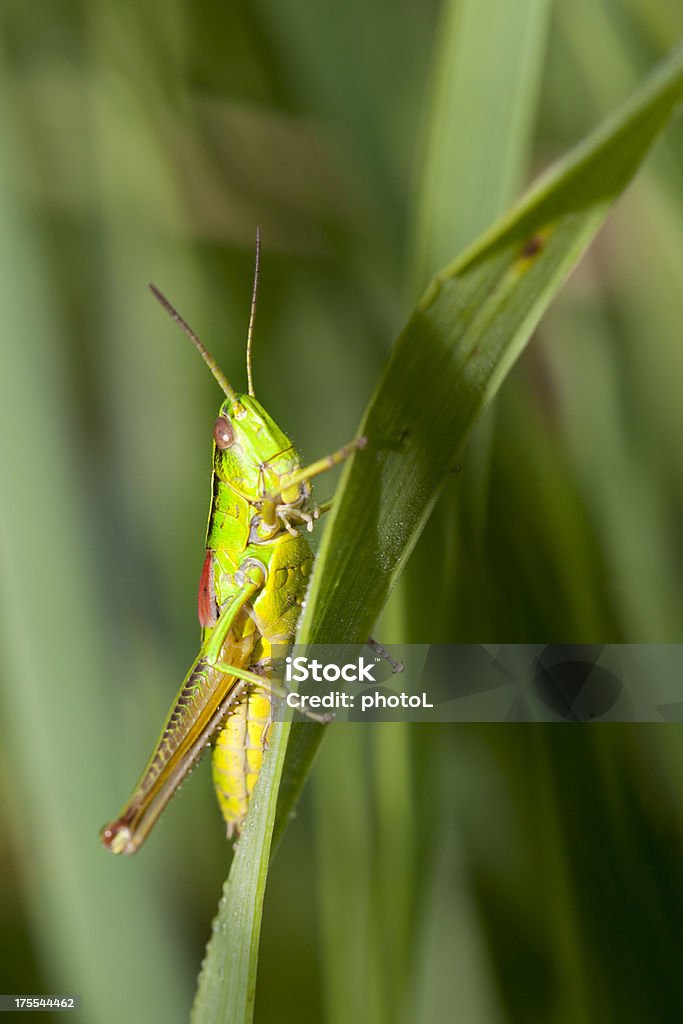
(193, 718)
(382, 652)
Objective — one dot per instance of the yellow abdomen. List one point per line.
(260, 633)
(238, 755)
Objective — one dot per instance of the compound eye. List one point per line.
(223, 433)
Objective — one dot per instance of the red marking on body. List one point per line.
(206, 598)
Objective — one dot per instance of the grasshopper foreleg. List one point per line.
(252, 577)
(271, 501)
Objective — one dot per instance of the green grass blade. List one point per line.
(484, 106)
(484, 96)
(478, 127)
(454, 353)
(227, 983)
(98, 929)
(344, 846)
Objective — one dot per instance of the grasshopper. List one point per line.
(251, 592)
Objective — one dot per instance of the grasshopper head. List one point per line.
(251, 453)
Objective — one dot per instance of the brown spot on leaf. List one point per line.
(532, 247)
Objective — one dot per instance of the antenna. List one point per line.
(203, 351)
(252, 313)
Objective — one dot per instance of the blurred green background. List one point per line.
(491, 873)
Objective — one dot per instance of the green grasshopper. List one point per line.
(251, 591)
